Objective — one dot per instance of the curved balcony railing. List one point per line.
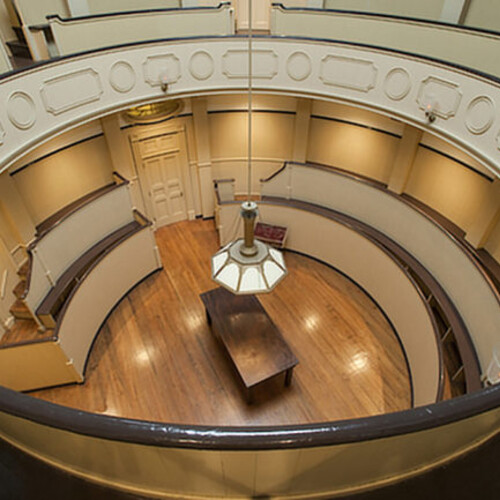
(474, 13)
(331, 238)
(436, 250)
(81, 34)
(58, 248)
(70, 90)
(52, 27)
(458, 45)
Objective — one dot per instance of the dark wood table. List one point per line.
(252, 340)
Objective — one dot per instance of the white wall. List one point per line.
(426, 9)
(484, 14)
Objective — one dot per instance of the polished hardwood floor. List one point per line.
(156, 359)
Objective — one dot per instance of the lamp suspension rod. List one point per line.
(249, 98)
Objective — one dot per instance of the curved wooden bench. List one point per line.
(49, 308)
(58, 356)
(46, 225)
(444, 311)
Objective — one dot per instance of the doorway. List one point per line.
(161, 166)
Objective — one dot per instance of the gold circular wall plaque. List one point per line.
(154, 111)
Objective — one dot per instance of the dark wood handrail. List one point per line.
(445, 225)
(205, 437)
(393, 250)
(392, 17)
(76, 270)
(216, 189)
(460, 332)
(64, 214)
(111, 242)
(57, 218)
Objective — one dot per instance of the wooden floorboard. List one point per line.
(156, 358)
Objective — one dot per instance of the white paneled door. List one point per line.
(165, 188)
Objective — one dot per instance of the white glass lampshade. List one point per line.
(242, 274)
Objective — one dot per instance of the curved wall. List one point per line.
(47, 99)
(423, 238)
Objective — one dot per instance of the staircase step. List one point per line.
(20, 311)
(19, 33)
(22, 331)
(20, 289)
(19, 49)
(23, 270)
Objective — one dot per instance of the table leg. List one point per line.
(288, 376)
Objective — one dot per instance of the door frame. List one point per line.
(145, 133)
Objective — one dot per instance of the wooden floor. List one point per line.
(156, 358)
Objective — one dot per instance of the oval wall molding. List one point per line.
(21, 110)
(122, 76)
(480, 115)
(397, 84)
(298, 66)
(201, 65)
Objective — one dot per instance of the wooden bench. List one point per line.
(50, 306)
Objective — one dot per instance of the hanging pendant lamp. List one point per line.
(248, 265)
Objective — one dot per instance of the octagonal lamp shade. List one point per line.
(243, 274)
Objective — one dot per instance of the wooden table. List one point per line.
(252, 340)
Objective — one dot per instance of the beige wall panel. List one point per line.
(447, 186)
(446, 43)
(484, 14)
(238, 170)
(358, 149)
(8, 232)
(426, 9)
(272, 135)
(298, 3)
(88, 33)
(260, 102)
(5, 64)
(493, 244)
(50, 184)
(356, 115)
(104, 6)
(455, 152)
(34, 12)
(60, 141)
(16, 208)
(32, 366)
(5, 24)
(8, 280)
